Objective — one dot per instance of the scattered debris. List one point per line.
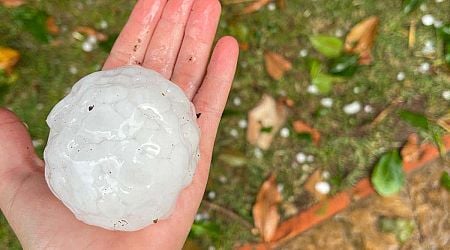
(361, 38)
(276, 65)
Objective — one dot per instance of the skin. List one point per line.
(174, 38)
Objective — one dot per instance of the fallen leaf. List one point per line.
(361, 38)
(51, 25)
(310, 185)
(12, 3)
(388, 176)
(329, 46)
(8, 58)
(255, 6)
(444, 122)
(267, 115)
(265, 209)
(276, 65)
(303, 128)
(88, 31)
(411, 150)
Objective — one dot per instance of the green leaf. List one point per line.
(33, 21)
(304, 136)
(345, 65)
(445, 180)
(414, 119)
(315, 67)
(323, 82)
(410, 5)
(388, 176)
(109, 43)
(444, 32)
(266, 129)
(205, 228)
(329, 46)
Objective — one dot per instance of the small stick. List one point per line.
(227, 212)
(412, 35)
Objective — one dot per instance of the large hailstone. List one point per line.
(122, 145)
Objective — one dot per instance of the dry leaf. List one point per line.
(411, 150)
(301, 127)
(255, 6)
(92, 32)
(51, 26)
(310, 185)
(12, 3)
(8, 58)
(444, 122)
(264, 121)
(360, 39)
(276, 65)
(265, 210)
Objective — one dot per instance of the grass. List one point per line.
(346, 151)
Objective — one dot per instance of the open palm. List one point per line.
(173, 37)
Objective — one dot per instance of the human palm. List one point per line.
(172, 37)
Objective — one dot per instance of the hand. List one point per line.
(173, 38)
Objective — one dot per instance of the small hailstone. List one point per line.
(322, 187)
(339, 33)
(303, 53)
(37, 142)
(352, 108)
(234, 132)
(446, 95)
(198, 217)
(327, 102)
(368, 108)
(424, 67)
(428, 48)
(271, 6)
(87, 46)
(312, 89)
(212, 195)
(428, 20)
(103, 24)
(211, 248)
(73, 70)
(258, 153)
(237, 101)
(284, 132)
(423, 7)
(356, 90)
(306, 167)
(223, 179)
(438, 23)
(242, 123)
(325, 174)
(300, 157)
(307, 13)
(310, 158)
(401, 76)
(92, 39)
(280, 187)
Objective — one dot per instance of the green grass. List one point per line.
(346, 151)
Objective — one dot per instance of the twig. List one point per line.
(385, 112)
(412, 34)
(227, 212)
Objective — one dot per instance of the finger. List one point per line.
(166, 40)
(197, 42)
(132, 42)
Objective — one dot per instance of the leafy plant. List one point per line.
(329, 46)
(388, 176)
(33, 21)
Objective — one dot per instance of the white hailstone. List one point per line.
(446, 95)
(300, 157)
(284, 132)
(325, 174)
(424, 67)
(122, 146)
(322, 187)
(306, 167)
(312, 89)
(237, 101)
(258, 153)
(339, 33)
(423, 7)
(368, 108)
(356, 90)
(242, 123)
(103, 24)
(91, 39)
(73, 70)
(303, 53)
(280, 187)
(223, 179)
(429, 47)
(428, 20)
(401, 76)
(326, 102)
(352, 108)
(234, 132)
(271, 6)
(212, 195)
(438, 23)
(87, 46)
(310, 158)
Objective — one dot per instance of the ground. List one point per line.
(348, 149)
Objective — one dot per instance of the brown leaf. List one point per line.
(301, 127)
(91, 32)
(310, 185)
(361, 38)
(411, 150)
(265, 209)
(444, 122)
(255, 6)
(264, 121)
(276, 65)
(8, 58)
(12, 3)
(51, 26)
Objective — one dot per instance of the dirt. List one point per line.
(423, 203)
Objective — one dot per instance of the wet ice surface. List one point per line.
(122, 146)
